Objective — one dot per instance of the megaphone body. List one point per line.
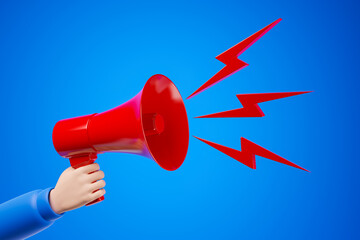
(153, 124)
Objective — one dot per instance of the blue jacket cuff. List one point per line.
(44, 208)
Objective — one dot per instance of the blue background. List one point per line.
(64, 59)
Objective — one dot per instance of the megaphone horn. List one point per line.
(153, 124)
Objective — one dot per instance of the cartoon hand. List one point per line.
(77, 187)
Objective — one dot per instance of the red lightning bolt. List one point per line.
(247, 154)
(230, 59)
(250, 105)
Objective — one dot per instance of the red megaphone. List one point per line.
(152, 124)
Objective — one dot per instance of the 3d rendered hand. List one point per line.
(77, 187)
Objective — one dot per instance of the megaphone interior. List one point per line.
(153, 124)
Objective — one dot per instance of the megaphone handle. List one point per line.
(81, 161)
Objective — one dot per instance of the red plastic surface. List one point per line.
(152, 124)
(70, 137)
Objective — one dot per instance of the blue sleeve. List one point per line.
(26, 215)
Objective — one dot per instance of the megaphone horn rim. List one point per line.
(165, 87)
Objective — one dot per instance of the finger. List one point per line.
(97, 185)
(97, 194)
(89, 168)
(96, 176)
